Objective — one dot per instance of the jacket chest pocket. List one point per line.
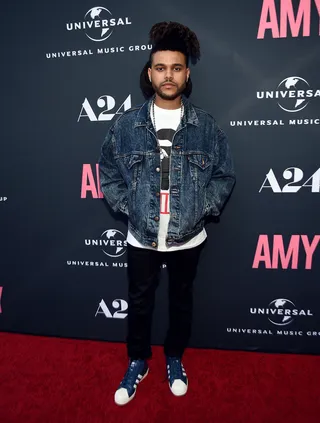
(133, 165)
(200, 168)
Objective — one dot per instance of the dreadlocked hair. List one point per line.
(175, 33)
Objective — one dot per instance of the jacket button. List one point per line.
(158, 194)
(154, 244)
(156, 218)
(158, 169)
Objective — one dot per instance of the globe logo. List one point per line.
(294, 94)
(113, 243)
(95, 16)
(281, 310)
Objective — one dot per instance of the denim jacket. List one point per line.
(201, 173)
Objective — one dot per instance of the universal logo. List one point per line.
(98, 24)
(292, 95)
(112, 243)
(281, 312)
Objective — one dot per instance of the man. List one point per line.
(167, 166)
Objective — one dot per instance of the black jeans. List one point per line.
(143, 273)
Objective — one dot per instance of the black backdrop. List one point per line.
(63, 255)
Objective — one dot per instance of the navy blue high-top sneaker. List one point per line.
(136, 372)
(177, 377)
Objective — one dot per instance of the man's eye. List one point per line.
(177, 69)
(159, 69)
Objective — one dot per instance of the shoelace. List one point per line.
(175, 369)
(130, 376)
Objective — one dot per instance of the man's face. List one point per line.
(168, 74)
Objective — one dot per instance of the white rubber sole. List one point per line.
(179, 395)
(134, 394)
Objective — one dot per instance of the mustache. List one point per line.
(169, 82)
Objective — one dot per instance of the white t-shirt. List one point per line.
(167, 122)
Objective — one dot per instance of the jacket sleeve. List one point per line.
(112, 183)
(222, 178)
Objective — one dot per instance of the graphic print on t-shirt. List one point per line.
(166, 123)
(165, 137)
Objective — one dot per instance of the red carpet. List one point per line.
(49, 380)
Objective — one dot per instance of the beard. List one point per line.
(172, 96)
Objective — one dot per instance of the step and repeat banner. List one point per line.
(69, 70)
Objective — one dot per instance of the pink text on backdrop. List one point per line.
(90, 185)
(279, 25)
(275, 255)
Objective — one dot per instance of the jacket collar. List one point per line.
(144, 116)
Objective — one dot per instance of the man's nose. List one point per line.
(169, 74)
